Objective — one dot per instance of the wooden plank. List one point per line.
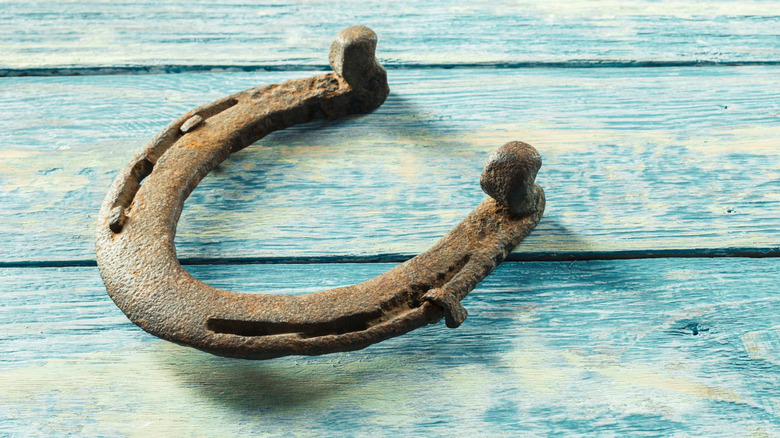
(634, 160)
(658, 347)
(153, 34)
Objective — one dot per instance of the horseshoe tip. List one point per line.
(352, 55)
(509, 176)
(357, 32)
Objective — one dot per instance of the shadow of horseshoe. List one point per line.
(137, 224)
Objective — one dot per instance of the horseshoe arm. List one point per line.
(137, 223)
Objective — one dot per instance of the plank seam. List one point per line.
(215, 68)
(400, 258)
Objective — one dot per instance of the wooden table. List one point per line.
(646, 302)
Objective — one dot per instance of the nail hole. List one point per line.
(141, 169)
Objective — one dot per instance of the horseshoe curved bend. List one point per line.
(137, 223)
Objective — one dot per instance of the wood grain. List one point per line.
(662, 159)
(637, 162)
(627, 347)
(156, 35)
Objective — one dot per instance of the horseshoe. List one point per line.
(137, 223)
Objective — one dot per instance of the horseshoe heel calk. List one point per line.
(137, 223)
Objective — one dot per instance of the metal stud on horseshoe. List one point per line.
(137, 223)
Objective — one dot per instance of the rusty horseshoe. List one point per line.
(137, 224)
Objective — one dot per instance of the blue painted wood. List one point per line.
(637, 162)
(35, 34)
(668, 159)
(632, 347)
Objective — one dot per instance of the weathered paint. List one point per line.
(638, 161)
(153, 34)
(658, 347)
(635, 159)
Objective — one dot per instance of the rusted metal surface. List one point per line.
(137, 224)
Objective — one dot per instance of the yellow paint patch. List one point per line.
(539, 369)
(683, 274)
(643, 375)
(538, 374)
(754, 139)
(61, 170)
(760, 139)
(493, 136)
(11, 154)
(763, 345)
(167, 390)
